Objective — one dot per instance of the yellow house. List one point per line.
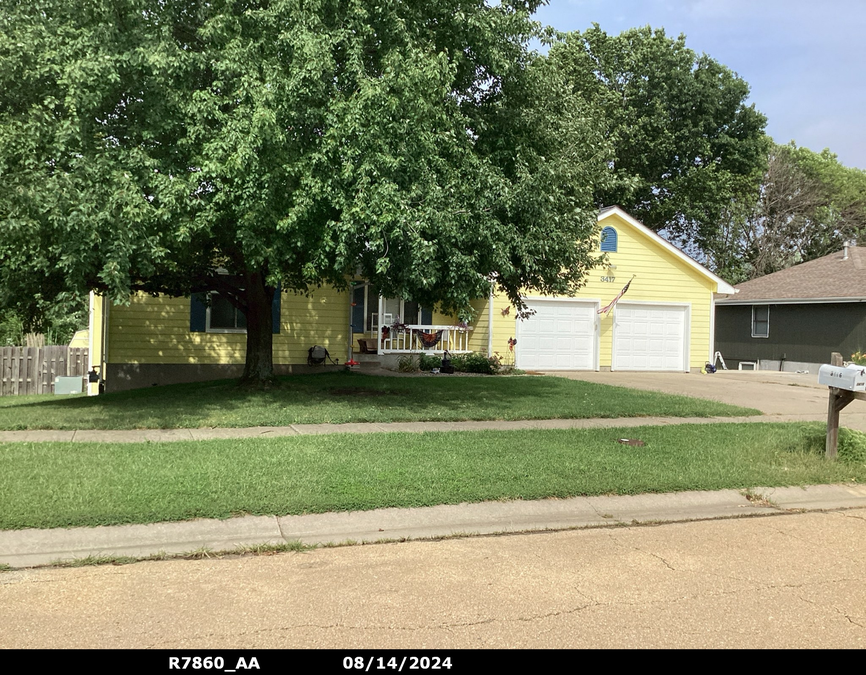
(664, 321)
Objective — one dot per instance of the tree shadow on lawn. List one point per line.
(344, 397)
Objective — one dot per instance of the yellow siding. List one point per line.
(659, 276)
(81, 339)
(478, 338)
(95, 339)
(156, 330)
(503, 329)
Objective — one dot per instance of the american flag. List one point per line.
(609, 306)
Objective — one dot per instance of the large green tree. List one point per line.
(242, 145)
(686, 144)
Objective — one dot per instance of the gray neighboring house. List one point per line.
(794, 319)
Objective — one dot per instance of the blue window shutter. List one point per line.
(426, 317)
(275, 309)
(197, 313)
(358, 309)
(608, 240)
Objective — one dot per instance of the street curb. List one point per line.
(32, 547)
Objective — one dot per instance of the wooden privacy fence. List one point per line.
(31, 370)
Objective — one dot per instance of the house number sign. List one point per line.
(608, 280)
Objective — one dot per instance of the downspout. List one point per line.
(490, 324)
(711, 357)
(351, 326)
(104, 355)
(91, 330)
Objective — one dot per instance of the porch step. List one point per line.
(368, 360)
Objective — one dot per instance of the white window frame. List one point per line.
(754, 335)
(207, 325)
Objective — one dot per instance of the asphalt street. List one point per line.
(780, 581)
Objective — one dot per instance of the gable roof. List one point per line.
(721, 285)
(833, 278)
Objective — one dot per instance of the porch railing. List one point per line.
(424, 339)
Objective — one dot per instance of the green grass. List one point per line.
(350, 397)
(69, 484)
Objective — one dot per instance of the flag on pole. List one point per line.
(606, 309)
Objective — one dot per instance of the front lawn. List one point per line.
(69, 484)
(350, 397)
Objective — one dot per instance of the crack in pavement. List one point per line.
(850, 620)
(280, 528)
(640, 550)
(493, 620)
(811, 543)
(409, 629)
(656, 555)
(593, 603)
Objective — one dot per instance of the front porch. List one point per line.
(423, 339)
(396, 326)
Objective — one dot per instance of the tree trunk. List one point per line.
(259, 367)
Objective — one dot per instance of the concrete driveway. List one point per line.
(771, 392)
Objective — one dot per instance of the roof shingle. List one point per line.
(826, 278)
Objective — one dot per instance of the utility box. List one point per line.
(68, 385)
(851, 378)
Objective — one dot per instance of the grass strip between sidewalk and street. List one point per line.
(46, 485)
(351, 397)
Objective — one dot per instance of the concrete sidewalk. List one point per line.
(25, 548)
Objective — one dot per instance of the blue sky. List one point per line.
(804, 60)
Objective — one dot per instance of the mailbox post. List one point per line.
(846, 384)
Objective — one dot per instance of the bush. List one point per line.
(463, 363)
(428, 362)
(407, 364)
(475, 363)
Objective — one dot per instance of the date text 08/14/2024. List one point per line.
(365, 664)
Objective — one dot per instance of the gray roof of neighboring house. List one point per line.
(830, 278)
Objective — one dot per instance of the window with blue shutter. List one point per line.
(224, 315)
(608, 240)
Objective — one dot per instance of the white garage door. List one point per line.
(561, 335)
(649, 337)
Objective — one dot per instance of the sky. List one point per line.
(805, 60)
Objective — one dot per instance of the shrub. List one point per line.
(475, 363)
(428, 362)
(407, 364)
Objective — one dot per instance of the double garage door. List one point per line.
(563, 335)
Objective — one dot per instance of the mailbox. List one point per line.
(852, 378)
